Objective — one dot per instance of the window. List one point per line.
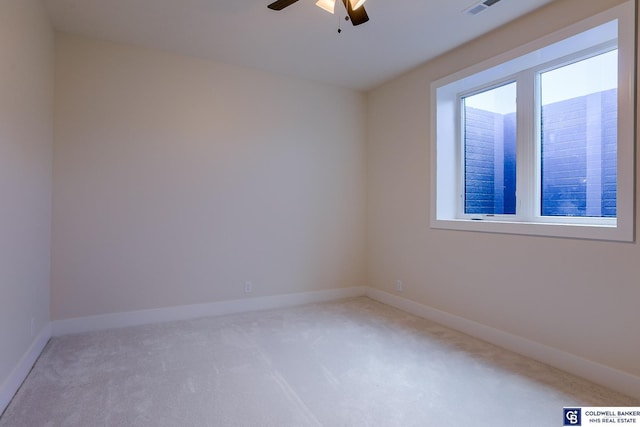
(578, 140)
(489, 140)
(541, 140)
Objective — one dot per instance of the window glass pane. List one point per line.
(490, 151)
(579, 121)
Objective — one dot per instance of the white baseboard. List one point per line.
(600, 374)
(22, 369)
(158, 315)
(617, 380)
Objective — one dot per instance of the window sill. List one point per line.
(618, 233)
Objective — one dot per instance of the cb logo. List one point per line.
(572, 417)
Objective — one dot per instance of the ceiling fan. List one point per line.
(355, 8)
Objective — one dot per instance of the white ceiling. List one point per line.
(301, 40)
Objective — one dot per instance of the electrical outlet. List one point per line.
(33, 326)
(248, 287)
(399, 286)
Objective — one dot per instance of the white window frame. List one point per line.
(580, 40)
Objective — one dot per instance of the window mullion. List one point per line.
(525, 154)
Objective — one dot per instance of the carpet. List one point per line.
(354, 362)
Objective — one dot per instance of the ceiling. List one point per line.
(301, 40)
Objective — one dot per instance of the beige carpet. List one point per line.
(348, 363)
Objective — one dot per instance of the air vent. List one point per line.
(480, 7)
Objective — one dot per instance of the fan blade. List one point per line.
(281, 4)
(358, 16)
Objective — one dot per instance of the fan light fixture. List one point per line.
(355, 4)
(355, 11)
(329, 5)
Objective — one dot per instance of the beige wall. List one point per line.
(579, 296)
(177, 179)
(26, 111)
